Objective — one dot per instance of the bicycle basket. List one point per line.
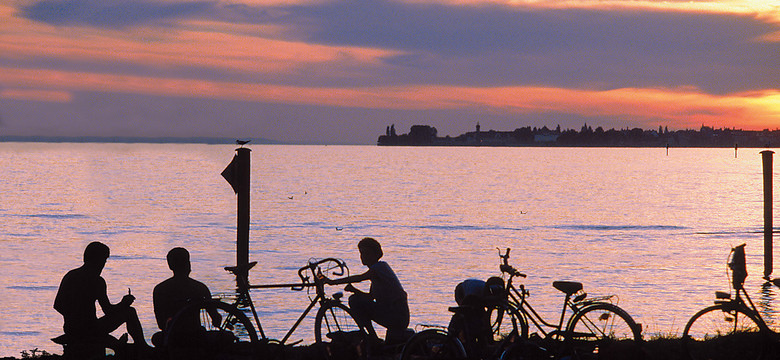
(495, 291)
(738, 267)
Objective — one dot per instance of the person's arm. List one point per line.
(216, 317)
(353, 289)
(60, 301)
(349, 279)
(102, 297)
(159, 309)
(106, 305)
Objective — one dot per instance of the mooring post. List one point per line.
(766, 157)
(237, 175)
(242, 233)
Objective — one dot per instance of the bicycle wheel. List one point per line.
(335, 325)
(505, 321)
(603, 329)
(211, 329)
(433, 344)
(723, 331)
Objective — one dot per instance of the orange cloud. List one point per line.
(679, 106)
(686, 107)
(758, 7)
(197, 45)
(36, 95)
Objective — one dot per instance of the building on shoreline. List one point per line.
(425, 135)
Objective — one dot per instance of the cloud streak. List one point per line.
(111, 13)
(488, 43)
(503, 45)
(36, 95)
(636, 62)
(660, 105)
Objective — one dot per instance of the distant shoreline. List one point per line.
(705, 137)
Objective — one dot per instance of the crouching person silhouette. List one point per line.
(386, 301)
(86, 335)
(173, 295)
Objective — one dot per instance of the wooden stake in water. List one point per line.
(766, 157)
(242, 236)
(237, 174)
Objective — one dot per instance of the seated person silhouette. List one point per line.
(173, 294)
(386, 302)
(79, 290)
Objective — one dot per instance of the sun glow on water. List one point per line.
(651, 228)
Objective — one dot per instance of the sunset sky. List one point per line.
(339, 72)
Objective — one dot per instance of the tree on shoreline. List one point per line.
(426, 135)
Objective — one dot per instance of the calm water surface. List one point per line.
(651, 228)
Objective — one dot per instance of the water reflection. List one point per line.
(766, 303)
(571, 214)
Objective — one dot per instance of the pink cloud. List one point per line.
(36, 95)
(216, 46)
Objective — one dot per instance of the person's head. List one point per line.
(179, 261)
(370, 251)
(95, 255)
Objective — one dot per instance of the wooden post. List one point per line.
(242, 233)
(237, 175)
(766, 156)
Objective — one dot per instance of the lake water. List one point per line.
(653, 228)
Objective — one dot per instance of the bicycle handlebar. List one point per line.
(312, 265)
(505, 267)
(337, 267)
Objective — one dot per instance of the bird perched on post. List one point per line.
(242, 142)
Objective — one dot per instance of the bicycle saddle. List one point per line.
(567, 287)
(241, 268)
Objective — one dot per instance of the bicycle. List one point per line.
(439, 343)
(595, 326)
(732, 328)
(231, 329)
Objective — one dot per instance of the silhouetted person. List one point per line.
(80, 289)
(386, 301)
(173, 294)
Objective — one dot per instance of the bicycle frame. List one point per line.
(517, 298)
(736, 263)
(245, 298)
(733, 327)
(739, 302)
